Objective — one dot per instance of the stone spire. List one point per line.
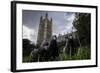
(45, 29)
(41, 18)
(46, 15)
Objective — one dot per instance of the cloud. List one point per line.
(26, 32)
(29, 34)
(62, 22)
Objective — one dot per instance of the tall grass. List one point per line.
(83, 53)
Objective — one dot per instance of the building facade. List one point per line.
(45, 29)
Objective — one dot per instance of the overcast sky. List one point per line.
(62, 22)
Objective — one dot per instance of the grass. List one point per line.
(26, 58)
(82, 54)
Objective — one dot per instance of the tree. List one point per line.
(82, 23)
(27, 47)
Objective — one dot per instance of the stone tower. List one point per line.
(44, 30)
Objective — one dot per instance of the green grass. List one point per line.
(82, 54)
(26, 58)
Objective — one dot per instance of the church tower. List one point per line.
(44, 30)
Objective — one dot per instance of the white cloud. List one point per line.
(62, 23)
(72, 16)
(29, 34)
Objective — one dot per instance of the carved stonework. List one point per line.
(45, 29)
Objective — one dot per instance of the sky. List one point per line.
(62, 22)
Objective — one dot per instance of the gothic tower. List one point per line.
(44, 30)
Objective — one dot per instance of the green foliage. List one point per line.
(82, 23)
(26, 59)
(83, 53)
(63, 57)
